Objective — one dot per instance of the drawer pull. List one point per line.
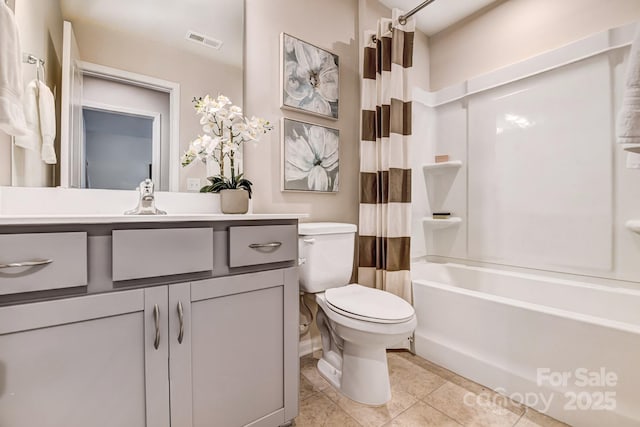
(265, 245)
(156, 319)
(181, 318)
(27, 263)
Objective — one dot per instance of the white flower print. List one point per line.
(311, 78)
(311, 157)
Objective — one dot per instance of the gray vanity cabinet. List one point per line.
(218, 349)
(244, 349)
(82, 362)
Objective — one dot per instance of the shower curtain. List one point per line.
(385, 168)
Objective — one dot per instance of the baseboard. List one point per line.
(309, 345)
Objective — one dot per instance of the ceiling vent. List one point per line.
(204, 40)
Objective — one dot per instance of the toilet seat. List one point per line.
(367, 304)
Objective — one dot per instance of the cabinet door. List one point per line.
(179, 337)
(76, 362)
(237, 350)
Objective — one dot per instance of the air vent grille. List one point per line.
(204, 40)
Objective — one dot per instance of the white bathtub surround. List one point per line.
(543, 183)
(520, 333)
(385, 165)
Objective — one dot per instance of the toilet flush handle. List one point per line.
(309, 240)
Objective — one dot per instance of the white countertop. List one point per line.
(114, 219)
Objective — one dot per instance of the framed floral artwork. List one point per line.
(310, 157)
(310, 80)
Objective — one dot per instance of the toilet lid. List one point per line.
(374, 305)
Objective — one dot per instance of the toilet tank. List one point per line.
(326, 250)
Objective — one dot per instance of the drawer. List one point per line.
(265, 244)
(139, 254)
(67, 253)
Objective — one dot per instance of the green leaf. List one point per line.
(219, 183)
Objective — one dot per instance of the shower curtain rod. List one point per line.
(403, 18)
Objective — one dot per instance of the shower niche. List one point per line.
(439, 178)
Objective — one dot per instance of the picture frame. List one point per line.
(310, 157)
(309, 78)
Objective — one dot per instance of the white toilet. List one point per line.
(356, 323)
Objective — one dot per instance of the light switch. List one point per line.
(193, 184)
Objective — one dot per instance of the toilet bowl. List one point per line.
(357, 324)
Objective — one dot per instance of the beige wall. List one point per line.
(335, 25)
(517, 29)
(331, 25)
(196, 75)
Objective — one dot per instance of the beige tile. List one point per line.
(306, 388)
(533, 418)
(413, 379)
(497, 398)
(463, 382)
(309, 370)
(422, 415)
(470, 409)
(373, 416)
(319, 411)
(425, 364)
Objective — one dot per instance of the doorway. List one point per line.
(121, 148)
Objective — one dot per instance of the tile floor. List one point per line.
(423, 394)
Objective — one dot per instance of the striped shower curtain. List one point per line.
(385, 171)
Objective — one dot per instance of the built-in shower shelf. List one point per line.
(633, 225)
(439, 224)
(443, 167)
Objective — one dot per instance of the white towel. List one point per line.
(47, 112)
(40, 115)
(32, 139)
(11, 116)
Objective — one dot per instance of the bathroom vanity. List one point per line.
(179, 320)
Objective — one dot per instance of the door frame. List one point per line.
(132, 112)
(148, 82)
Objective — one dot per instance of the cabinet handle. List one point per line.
(181, 317)
(156, 319)
(265, 245)
(27, 263)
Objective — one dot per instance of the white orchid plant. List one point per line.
(225, 129)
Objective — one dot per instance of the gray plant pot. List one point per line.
(234, 201)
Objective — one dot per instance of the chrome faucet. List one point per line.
(147, 202)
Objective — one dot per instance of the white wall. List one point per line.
(518, 29)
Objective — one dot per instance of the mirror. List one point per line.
(123, 103)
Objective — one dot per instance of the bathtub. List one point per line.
(567, 348)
